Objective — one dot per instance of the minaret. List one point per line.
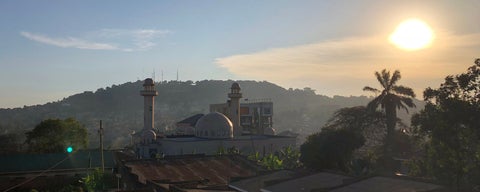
(148, 93)
(234, 109)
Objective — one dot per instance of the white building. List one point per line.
(213, 133)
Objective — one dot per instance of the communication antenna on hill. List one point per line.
(177, 74)
(153, 75)
(162, 75)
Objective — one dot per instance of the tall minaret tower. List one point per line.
(234, 109)
(148, 93)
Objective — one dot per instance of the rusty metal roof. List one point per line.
(207, 170)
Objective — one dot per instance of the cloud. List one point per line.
(68, 42)
(345, 66)
(118, 39)
(133, 40)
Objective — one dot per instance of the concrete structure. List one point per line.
(146, 140)
(148, 94)
(256, 117)
(187, 126)
(213, 133)
(234, 109)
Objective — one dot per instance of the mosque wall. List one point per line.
(212, 147)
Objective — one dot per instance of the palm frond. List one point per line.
(367, 88)
(386, 79)
(395, 77)
(402, 90)
(373, 104)
(398, 102)
(408, 101)
(380, 79)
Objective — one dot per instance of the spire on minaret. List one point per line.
(234, 109)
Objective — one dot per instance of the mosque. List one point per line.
(231, 125)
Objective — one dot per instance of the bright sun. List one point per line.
(411, 35)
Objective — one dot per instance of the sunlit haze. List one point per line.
(412, 34)
(51, 50)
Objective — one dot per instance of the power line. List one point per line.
(40, 174)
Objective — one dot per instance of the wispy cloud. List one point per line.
(344, 66)
(132, 40)
(68, 42)
(115, 39)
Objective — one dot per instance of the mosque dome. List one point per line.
(148, 82)
(214, 125)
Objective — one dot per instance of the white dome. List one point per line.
(214, 125)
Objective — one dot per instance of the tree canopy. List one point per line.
(54, 135)
(330, 149)
(451, 127)
(390, 98)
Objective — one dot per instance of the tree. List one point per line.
(10, 143)
(54, 135)
(370, 124)
(450, 128)
(330, 149)
(391, 98)
(97, 181)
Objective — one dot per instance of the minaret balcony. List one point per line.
(235, 95)
(148, 93)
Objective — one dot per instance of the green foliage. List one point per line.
(287, 158)
(272, 162)
(121, 107)
(330, 149)
(95, 181)
(10, 143)
(290, 158)
(369, 124)
(54, 135)
(449, 126)
(390, 98)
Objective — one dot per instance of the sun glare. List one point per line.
(411, 35)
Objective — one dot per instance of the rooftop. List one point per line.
(322, 180)
(258, 182)
(200, 170)
(392, 184)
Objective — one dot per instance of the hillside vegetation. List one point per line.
(121, 108)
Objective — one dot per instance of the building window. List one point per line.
(267, 111)
(244, 110)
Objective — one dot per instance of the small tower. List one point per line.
(148, 93)
(234, 109)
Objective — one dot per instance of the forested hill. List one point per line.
(121, 107)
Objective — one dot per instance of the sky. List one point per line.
(50, 50)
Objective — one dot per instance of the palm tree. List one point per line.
(391, 98)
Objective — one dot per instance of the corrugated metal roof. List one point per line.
(380, 184)
(209, 170)
(258, 182)
(322, 180)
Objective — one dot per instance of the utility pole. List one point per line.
(100, 132)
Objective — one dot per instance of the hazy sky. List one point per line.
(53, 49)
